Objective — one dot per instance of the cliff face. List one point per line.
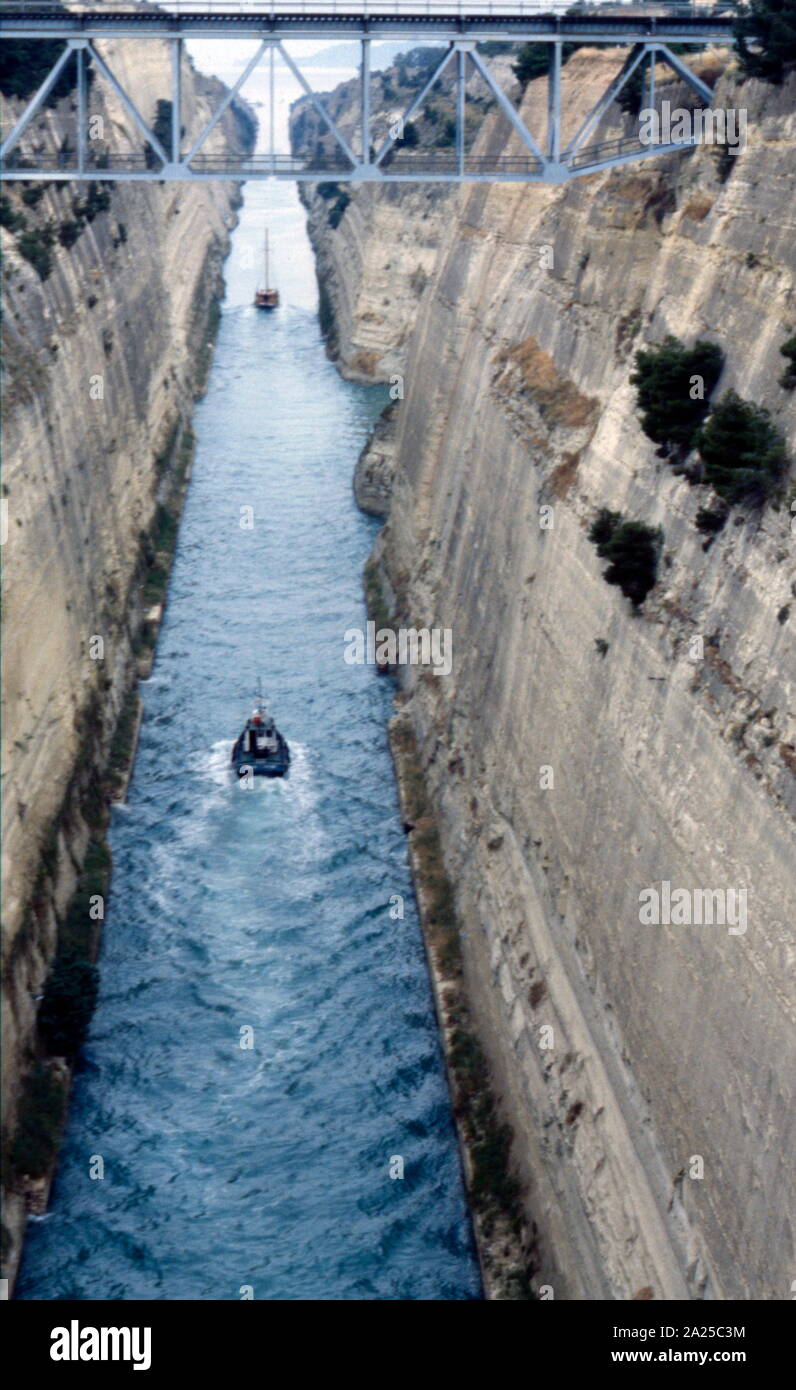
(103, 359)
(580, 754)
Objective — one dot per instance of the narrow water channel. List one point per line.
(265, 1167)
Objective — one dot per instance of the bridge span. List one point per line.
(653, 34)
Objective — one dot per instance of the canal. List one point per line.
(262, 916)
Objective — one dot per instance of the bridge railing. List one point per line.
(377, 9)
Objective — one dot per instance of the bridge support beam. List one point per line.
(227, 102)
(507, 108)
(542, 160)
(416, 104)
(365, 80)
(176, 99)
(129, 105)
(36, 103)
(82, 113)
(554, 104)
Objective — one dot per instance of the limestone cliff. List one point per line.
(580, 753)
(103, 359)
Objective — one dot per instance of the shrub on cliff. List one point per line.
(788, 350)
(710, 520)
(25, 63)
(410, 138)
(771, 26)
(35, 245)
(41, 1115)
(632, 547)
(673, 385)
(743, 450)
(337, 210)
(32, 193)
(447, 134)
(631, 98)
(161, 129)
(65, 1012)
(69, 232)
(533, 59)
(12, 220)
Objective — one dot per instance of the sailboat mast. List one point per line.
(266, 259)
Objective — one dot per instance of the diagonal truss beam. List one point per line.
(687, 75)
(506, 106)
(609, 96)
(227, 102)
(32, 108)
(418, 101)
(129, 105)
(319, 106)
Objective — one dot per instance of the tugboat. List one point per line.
(260, 750)
(266, 298)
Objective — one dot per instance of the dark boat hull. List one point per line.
(273, 765)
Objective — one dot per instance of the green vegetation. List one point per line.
(533, 59)
(32, 193)
(709, 521)
(664, 378)
(632, 548)
(771, 24)
(36, 246)
(65, 1012)
(41, 1115)
(378, 611)
(447, 135)
(80, 931)
(631, 97)
(12, 220)
(337, 210)
(161, 129)
(743, 451)
(25, 63)
(410, 138)
(68, 233)
(123, 740)
(97, 199)
(724, 156)
(416, 65)
(788, 350)
(35, 243)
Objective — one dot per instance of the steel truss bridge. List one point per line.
(648, 31)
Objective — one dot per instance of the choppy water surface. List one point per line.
(267, 1167)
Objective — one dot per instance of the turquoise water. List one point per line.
(265, 1168)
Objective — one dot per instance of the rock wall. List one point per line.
(103, 359)
(580, 753)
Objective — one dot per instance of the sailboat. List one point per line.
(266, 298)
